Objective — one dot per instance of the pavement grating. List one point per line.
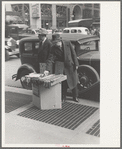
(95, 129)
(14, 101)
(70, 116)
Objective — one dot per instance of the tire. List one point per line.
(88, 77)
(6, 55)
(24, 84)
(18, 55)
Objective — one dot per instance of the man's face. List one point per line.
(59, 43)
(41, 37)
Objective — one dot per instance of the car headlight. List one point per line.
(9, 43)
(6, 47)
(17, 42)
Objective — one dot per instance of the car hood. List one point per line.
(92, 55)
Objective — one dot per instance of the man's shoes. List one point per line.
(76, 99)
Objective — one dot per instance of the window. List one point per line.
(73, 31)
(79, 31)
(20, 30)
(33, 32)
(91, 45)
(28, 47)
(13, 30)
(36, 45)
(66, 31)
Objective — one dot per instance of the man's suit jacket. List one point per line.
(44, 50)
(70, 63)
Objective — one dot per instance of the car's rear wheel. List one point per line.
(22, 80)
(88, 76)
(6, 55)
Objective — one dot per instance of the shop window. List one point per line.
(46, 10)
(96, 13)
(61, 11)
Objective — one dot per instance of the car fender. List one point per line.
(91, 69)
(24, 66)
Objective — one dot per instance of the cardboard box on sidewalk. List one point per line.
(47, 94)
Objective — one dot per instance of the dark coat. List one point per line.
(44, 51)
(70, 63)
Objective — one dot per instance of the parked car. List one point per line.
(88, 54)
(30, 31)
(10, 48)
(15, 30)
(75, 30)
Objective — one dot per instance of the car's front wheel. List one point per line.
(22, 80)
(88, 76)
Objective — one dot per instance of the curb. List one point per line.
(18, 90)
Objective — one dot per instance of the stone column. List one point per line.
(35, 19)
(66, 16)
(8, 7)
(71, 12)
(38, 23)
(54, 24)
(92, 10)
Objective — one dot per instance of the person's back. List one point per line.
(12, 43)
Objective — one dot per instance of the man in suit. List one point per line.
(44, 46)
(63, 51)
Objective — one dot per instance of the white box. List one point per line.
(48, 98)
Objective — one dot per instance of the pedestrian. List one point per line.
(63, 51)
(44, 45)
(11, 43)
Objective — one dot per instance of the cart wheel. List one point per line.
(6, 55)
(23, 82)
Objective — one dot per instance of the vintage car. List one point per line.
(15, 30)
(88, 54)
(11, 48)
(75, 30)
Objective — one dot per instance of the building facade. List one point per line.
(52, 16)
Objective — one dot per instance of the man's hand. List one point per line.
(46, 73)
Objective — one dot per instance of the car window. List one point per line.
(20, 30)
(28, 47)
(79, 31)
(13, 30)
(36, 45)
(33, 32)
(88, 46)
(73, 31)
(66, 31)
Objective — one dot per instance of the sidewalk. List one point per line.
(20, 131)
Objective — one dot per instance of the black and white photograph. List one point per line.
(60, 73)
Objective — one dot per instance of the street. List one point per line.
(19, 99)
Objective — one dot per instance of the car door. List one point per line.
(30, 54)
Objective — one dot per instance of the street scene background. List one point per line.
(12, 65)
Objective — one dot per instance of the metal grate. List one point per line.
(14, 101)
(95, 130)
(70, 116)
